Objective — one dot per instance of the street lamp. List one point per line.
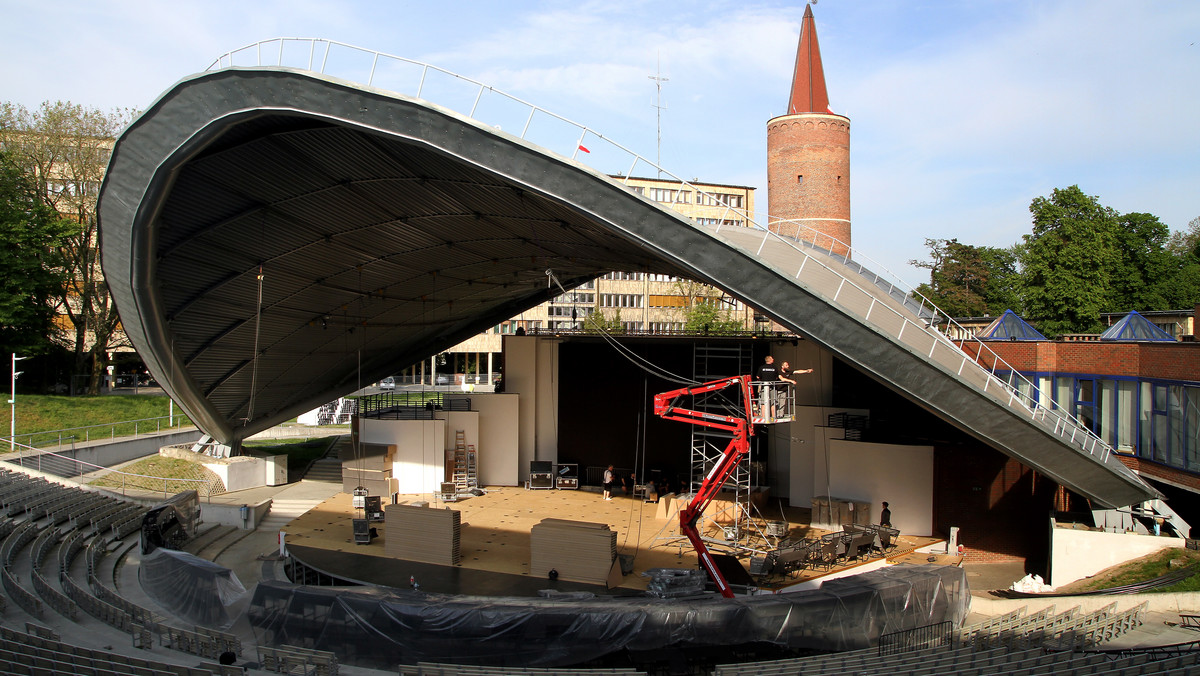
(12, 438)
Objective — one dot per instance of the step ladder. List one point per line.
(464, 475)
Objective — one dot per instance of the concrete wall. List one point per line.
(812, 389)
(231, 515)
(498, 455)
(531, 372)
(520, 378)
(807, 442)
(420, 462)
(1183, 602)
(546, 447)
(1076, 554)
(241, 472)
(465, 421)
(107, 454)
(901, 475)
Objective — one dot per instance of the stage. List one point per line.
(495, 542)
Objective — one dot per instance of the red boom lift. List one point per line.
(742, 428)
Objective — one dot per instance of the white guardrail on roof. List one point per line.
(567, 138)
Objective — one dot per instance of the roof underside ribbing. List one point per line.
(275, 239)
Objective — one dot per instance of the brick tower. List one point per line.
(808, 156)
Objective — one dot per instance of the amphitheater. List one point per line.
(75, 602)
(348, 197)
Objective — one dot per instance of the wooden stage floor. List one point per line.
(495, 541)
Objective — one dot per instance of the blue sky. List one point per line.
(961, 111)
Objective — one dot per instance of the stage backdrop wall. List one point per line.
(901, 475)
(530, 371)
(420, 463)
(807, 443)
(499, 463)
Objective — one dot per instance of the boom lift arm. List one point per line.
(665, 406)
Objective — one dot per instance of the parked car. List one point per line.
(443, 380)
(388, 383)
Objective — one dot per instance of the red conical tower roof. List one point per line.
(808, 81)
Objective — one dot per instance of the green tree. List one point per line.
(66, 148)
(1143, 264)
(601, 323)
(706, 317)
(30, 274)
(1186, 243)
(1068, 260)
(970, 281)
(1181, 287)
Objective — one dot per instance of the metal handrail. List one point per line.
(1071, 429)
(173, 421)
(25, 451)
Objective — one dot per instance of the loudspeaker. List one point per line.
(362, 531)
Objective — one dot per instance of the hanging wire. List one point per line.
(630, 355)
(254, 357)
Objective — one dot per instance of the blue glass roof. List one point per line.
(1133, 326)
(1009, 326)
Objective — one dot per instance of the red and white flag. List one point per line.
(584, 149)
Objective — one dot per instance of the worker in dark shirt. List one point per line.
(767, 376)
(885, 517)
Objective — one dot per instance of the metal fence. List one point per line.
(197, 477)
(929, 636)
(110, 431)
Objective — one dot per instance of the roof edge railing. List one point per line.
(1071, 430)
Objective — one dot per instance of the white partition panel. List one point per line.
(420, 462)
(901, 475)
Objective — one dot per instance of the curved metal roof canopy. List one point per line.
(383, 230)
(274, 238)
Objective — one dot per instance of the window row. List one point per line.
(620, 300)
(720, 222)
(568, 311)
(676, 196)
(574, 297)
(710, 199)
(512, 326)
(1156, 420)
(638, 276)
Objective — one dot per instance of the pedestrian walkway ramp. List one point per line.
(275, 236)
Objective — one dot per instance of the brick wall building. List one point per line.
(808, 156)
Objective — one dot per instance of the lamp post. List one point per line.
(12, 436)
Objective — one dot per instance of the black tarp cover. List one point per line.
(382, 627)
(191, 587)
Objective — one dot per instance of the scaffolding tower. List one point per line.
(714, 361)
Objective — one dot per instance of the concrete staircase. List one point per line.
(284, 510)
(327, 469)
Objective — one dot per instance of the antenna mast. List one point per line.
(658, 80)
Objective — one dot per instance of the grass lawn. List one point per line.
(299, 453)
(1145, 568)
(41, 413)
(159, 474)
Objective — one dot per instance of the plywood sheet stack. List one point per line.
(423, 534)
(376, 481)
(370, 466)
(580, 551)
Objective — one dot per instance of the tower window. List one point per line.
(800, 178)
